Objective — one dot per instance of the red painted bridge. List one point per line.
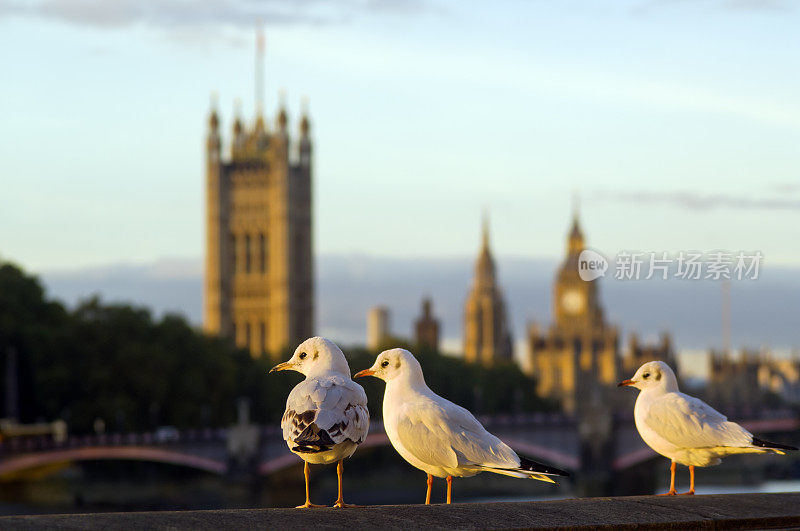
(551, 438)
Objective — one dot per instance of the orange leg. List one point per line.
(449, 489)
(340, 501)
(308, 503)
(672, 491)
(691, 481)
(428, 494)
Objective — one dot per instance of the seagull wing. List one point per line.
(323, 412)
(688, 422)
(441, 433)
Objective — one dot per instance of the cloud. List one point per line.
(758, 5)
(188, 14)
(698, 201)
(786, 188)
(733, 5)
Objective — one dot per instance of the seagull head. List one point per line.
(396, 363)
(653, 375)
(315, 356)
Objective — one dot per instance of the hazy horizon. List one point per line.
(688, 310)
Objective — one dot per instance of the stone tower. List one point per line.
(377, 327)
(579, 350)
(487, 339)
(259, 264)
(426, 327)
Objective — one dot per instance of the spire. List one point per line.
(305, 125)
(237, 121)
(213, 117)
(484, 267)
(575, 243)
(283, 118)
(575, 232)
(485, 232)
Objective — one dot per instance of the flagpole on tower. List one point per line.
(259, 82)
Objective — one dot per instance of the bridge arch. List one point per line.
(97, 453)
(374, 440)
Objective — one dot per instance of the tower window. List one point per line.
(263, 334)
(247, 335)
(232, 251)
(262, 252)
(247, 251)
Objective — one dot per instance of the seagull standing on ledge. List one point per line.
(326, 414)
(438, 436)
(684, 428)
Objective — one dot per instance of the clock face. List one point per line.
(573, 301)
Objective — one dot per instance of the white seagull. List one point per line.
(684, 428)
(438, 436)
(326, 414)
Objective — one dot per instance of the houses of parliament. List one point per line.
(259, 274)
(578, 352)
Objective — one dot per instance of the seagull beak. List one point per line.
(623, 383)
(281, 367)
(365, 372)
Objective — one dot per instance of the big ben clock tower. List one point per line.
(579, 346)
(575, 301)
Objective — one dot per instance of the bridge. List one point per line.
(260, 450)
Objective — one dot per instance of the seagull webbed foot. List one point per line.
(671, 492)
(309, 505)
(342, 505)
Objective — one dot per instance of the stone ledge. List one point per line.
(727, 511)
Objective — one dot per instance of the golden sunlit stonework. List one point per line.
(259, 286)
(487, 338)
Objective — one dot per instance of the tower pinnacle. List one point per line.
(575, 241)
(283, 118)
(485, 231)
(305, 125)
(213, 117)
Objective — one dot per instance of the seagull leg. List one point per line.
(691, 481)
(340, 502)
(672, 491)
(308, 503)
(428, 494)
(449, 489)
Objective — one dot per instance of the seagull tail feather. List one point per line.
(775, 447)
(528, 468)
(532, 466)
(517, 473)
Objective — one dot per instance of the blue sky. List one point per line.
(678, 121)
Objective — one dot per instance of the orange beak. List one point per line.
(623, 383)
(365, 372)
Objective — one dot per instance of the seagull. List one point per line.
(438, 436)
(326, 414)
(684, 428)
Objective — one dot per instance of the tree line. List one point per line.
(135, 372)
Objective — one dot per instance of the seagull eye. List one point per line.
(385, 363)
(303, 355)
(646, 375)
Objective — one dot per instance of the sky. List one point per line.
(677, 122)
